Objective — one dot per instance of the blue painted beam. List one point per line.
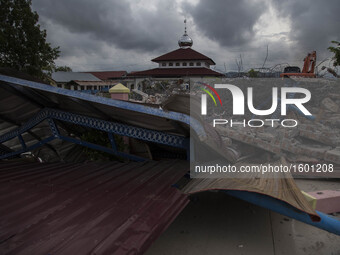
(112, 141)
(23, 144)
(101, 148)
(120, 129)
(30, 148)
(107, 126)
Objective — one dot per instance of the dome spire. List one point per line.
(185, 41)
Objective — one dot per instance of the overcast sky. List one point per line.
(127, 34)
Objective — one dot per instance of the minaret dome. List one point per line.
(185, 41)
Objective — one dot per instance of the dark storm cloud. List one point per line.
(313, 23)
(118, 34)
(116, 22)
(229, 22)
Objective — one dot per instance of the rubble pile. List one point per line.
(311, 141)
(306, 143)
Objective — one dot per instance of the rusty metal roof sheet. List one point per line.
(183, 54)
(87, 208)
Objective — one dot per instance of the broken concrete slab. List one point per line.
(330, 105)
(333, 155)
(327, 201)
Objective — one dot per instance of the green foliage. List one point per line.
(63, 69)
(252, 73)
(336, 51)
(23, 44)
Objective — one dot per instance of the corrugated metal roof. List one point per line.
(73, 76)
(106, 75)
(96, 83)
(90, 208)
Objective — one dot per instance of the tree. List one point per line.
(336, 51)
(23, 44)
(252, 73)
(62, 69)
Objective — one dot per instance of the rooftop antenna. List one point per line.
(185, 41)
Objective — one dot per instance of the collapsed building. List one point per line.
(114, 173)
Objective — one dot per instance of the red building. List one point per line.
(109, 75)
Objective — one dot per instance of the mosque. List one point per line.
(183, 62)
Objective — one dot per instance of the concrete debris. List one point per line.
(324, 135)
(333, 155)
(300, 145)
(311, 141)
(330, 105)
(158, 92)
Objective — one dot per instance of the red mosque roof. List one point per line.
(183, 54)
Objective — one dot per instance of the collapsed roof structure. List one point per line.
(91, 205)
